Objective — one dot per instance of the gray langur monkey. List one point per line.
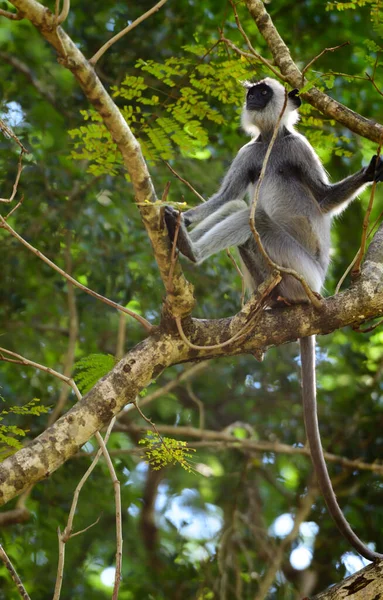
(293, 215)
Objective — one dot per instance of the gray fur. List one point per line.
(295, 205)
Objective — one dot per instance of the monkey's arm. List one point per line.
(338, 195)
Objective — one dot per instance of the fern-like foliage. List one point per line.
(91, 368)
(161, 452)
(10, 434)
(170, 115)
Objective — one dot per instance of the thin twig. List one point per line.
(82, 287)
(14, 575)
(243, 284)
(245, 330)
(301, 515)
(60, 18)
(199, 403)
(7, 131)
(368, 329)
(370, 231)
(119, 35)
(184, 376)
(14, 208)
(189, 185)
(9, 15)
(67, 533)
(173, 256)
(355, 272)
(86, 528)
(15, 185)
(254, 53)
(306, 68)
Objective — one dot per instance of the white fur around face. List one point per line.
(255, 122)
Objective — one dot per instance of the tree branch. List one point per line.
(224, 439)
(181, 301)
(363, 585)
(328, 106)
(364, 300)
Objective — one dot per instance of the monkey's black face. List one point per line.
(258, 96)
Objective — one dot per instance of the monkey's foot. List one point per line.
(184, 244)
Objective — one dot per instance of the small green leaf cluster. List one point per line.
(91, 368)
(163, 451)
(9, 433)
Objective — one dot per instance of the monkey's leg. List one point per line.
(232, 231)
(219, 215)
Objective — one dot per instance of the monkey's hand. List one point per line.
(374, 171)
(184, 243)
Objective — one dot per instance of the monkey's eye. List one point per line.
(264, 92)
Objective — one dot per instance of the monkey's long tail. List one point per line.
(313, 435)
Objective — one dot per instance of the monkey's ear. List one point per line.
(247, 84)
(293, 95)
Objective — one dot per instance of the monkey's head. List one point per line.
(264, 103)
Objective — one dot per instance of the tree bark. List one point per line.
(366, 584)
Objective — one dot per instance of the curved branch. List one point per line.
(328, 106)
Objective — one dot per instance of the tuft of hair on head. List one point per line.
(255, 122)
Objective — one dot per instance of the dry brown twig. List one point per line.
(189, 185)
(357, 260)
(7, 132)
(184, 376)
(127, 29)
(68, 530)
(255, 305)
(355, 272)
(253, 52)
(9, 15)
(9, 566)
(307, 67)
(199, 403)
